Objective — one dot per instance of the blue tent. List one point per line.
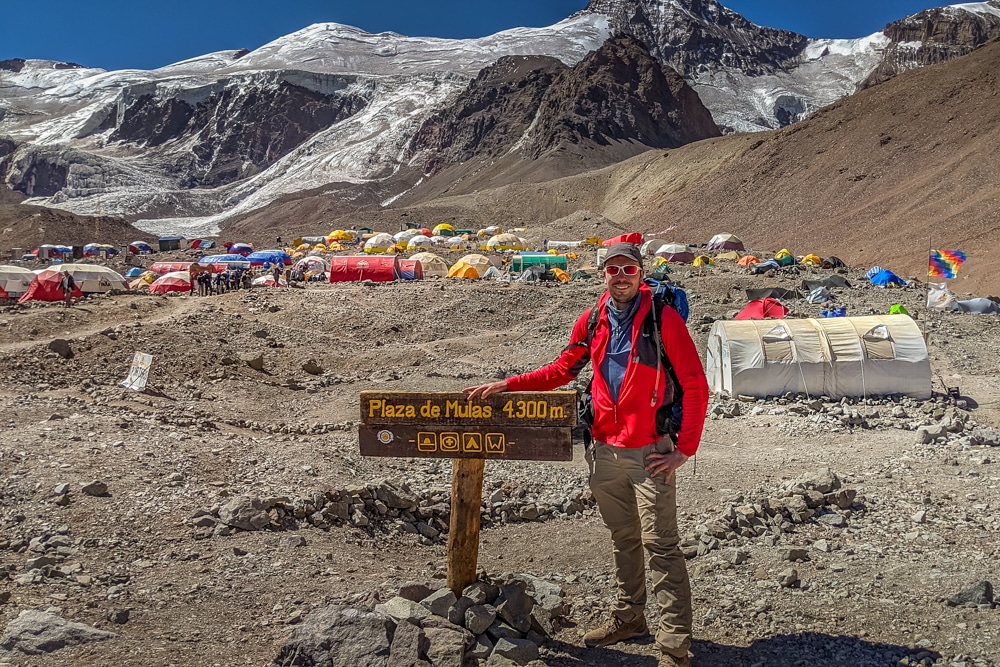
(224, 259)
(872, 271)
(885, 277)
(134, 272)
(269, 257)
(138, 247)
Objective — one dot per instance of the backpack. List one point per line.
(668, 417)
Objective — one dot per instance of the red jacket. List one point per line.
(632, 421)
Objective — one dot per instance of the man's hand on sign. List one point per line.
(485, 390)
(665, 464)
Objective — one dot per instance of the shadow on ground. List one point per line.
(802, 650)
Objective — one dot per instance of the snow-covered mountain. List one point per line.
(184, 147)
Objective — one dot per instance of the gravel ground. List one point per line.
(211, 429)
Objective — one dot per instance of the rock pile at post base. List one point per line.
(495, 623)
(380, 507)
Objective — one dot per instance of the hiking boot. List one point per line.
(615, 631)
(667, 660)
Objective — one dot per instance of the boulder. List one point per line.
(338, 635)
(36, 632)
(979, 593)
(245, 513)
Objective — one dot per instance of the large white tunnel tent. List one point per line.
(877, 355)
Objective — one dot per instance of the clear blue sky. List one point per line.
(144, 34)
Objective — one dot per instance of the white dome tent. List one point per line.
(877, 355)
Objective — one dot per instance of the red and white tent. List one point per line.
(379, 268)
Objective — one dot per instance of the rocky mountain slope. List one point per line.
(617, 97)
(190, 146)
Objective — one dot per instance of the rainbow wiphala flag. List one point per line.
(945, 263)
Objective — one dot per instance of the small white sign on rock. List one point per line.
(139, 373)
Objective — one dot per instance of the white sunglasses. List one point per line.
(628, 270)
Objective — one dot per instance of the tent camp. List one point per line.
(419, 241)
(383, 269)
(875, 355)
(431, 264)
(479, 262)
(773, 292)
(725, 242)
(410, 269)
(675, 252)
(463, 270)
(268, 280)
(163, 268)
(784, 258)
(703, 260)
(811, 260)
(231, 260)
(265, 257)
(635, 238)
(313, 264)
(95, 279)
(648, 248)
(762, 309)
(886, 278)
(505, 242)
(828, 281)
(243, 249)
(380, 243)
(175, 281)
(978, 306)
(14, 280)
(45, 287)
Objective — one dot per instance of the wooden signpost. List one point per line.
(534, 426)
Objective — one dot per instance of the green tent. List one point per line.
(898, 309)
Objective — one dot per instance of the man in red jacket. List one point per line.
(633, 463)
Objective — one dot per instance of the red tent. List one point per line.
(176, 281)
(162, 268)
(380, 269)
(45, 287)
(411, 269)
(3, 293)
(634, 238)
(763, 309)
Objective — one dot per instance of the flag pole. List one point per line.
(927, 290)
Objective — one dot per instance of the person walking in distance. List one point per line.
(638, 446)
(67, 284)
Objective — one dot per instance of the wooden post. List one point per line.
(463, 538)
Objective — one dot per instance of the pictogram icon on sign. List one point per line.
(472, 442)
(495, 443)
(427, 442)
(450, 442)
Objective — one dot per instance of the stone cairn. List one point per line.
(495, 623)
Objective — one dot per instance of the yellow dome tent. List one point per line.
(812, 260)
(444, 229)
(463, 270)
(703, 260)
